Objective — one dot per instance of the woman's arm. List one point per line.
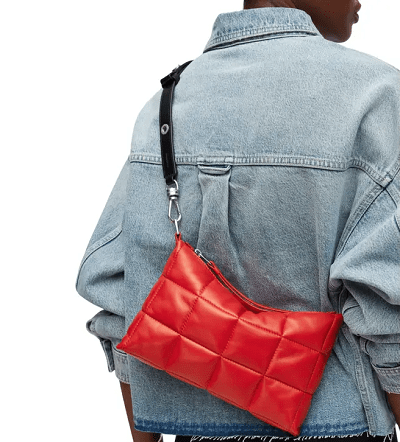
(137, 436)
(394, 401)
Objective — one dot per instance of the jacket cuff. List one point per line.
(108, 328)
(389, 377)
(385, 360)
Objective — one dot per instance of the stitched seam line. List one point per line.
(335, 164)
(389, 370)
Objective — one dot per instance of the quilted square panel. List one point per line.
(256, 356)
(170, 310)
(152, 340)
(234, 382)
(279, 405)
(209, 326)
(290, 354)
(222, 298)
(191, 361)
(309, 328)
(195, 277)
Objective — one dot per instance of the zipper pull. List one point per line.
(200, 255)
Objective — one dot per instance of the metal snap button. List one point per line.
(164, 129)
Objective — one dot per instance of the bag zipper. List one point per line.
(230, 287)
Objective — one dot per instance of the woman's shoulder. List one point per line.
(363, 63)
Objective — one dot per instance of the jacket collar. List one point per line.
(232, 28)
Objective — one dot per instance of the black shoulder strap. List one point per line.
(167, 146)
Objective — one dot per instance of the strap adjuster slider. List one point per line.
(170, 78)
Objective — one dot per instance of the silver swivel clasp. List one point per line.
(173, 195)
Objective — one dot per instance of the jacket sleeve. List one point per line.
(367, 270)
(100, 277)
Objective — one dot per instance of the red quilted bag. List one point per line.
(200, 329)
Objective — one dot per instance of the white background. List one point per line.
(74, 76)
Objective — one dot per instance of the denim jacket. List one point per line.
(288, 156)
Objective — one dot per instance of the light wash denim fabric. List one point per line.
(288, 152)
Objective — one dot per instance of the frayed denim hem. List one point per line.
(388, 437)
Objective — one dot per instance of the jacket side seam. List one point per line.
(357, 217)
(393, 191)
(95, 246)
(397, 219)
